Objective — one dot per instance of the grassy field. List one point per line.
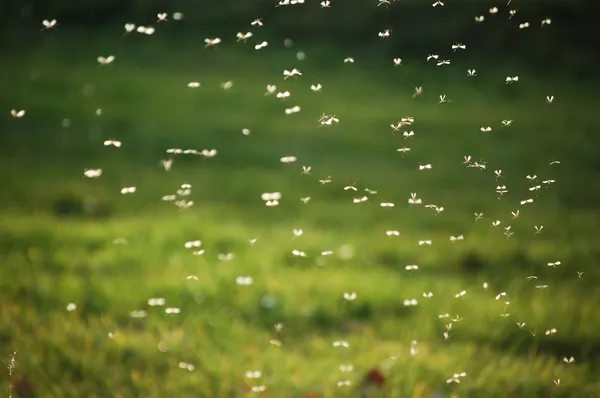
(68, 239)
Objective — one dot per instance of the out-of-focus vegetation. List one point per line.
(68, 239)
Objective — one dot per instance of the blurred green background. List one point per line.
(67, 239)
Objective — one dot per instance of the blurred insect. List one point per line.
(271, 88)
(225, 256)
(193, 84)
(385, 33)
(360, 200)
(432, 56)
(526, 201)
(554, 264)
(349, 60)
(524, 25)
(443, 62)
(49, 24)
(397, 61)
(293, 72)
(209, 153)
(370, 191)
(116, 144)
(515, 214)
(460, 294)
(479, 18)
(288, 159)
(243, 36)
(326, 180)
(305, 200)
(292, 110)
(486, 129)
(418, 91)
(326, 4)
(456, 378)
(403, 150)
(546, 21)
(501, 189)
(129, 27)
(506, 123)
(392, 233)
(549, 99)
(17, 114)
(306, 169)
(471, 72)
(413, 200)
(513, 79)
(350, 296)
(437, 3)
(92, 173)
(512, 13)
(244, 281)
(425, 242)
(443, 99)
(283, 95)
(459, 46)
(261, 45)
(538, 230)
(411, 267)
(410, 302)
(493, 10)
(128, 190)
(212, 42)
(428, 294)
(456, 238)
(498, 174)
(316, 87)
(554, 162)
(496, 223)
(162, 17)
(257, 22)
(425, 167)
(105, 60)
(550, 331)
(408, 134)
(147, 30)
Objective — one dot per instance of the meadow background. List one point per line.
(66, 239)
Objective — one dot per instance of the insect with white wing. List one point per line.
(316, 87)
(261, 45)
(293, 72)
(385, 33)
(471, 72)
(162, 17)
(105, 60)
(459, 46)
(397, 61)
(49, 24)
(513, 79)
(212, 42)
(443, 62)
(326, 4)
(549, 99)
(17, 114)
(413, 200)
(443, 99)
(115, 143)
(243, 36)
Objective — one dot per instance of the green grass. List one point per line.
(49, 259)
